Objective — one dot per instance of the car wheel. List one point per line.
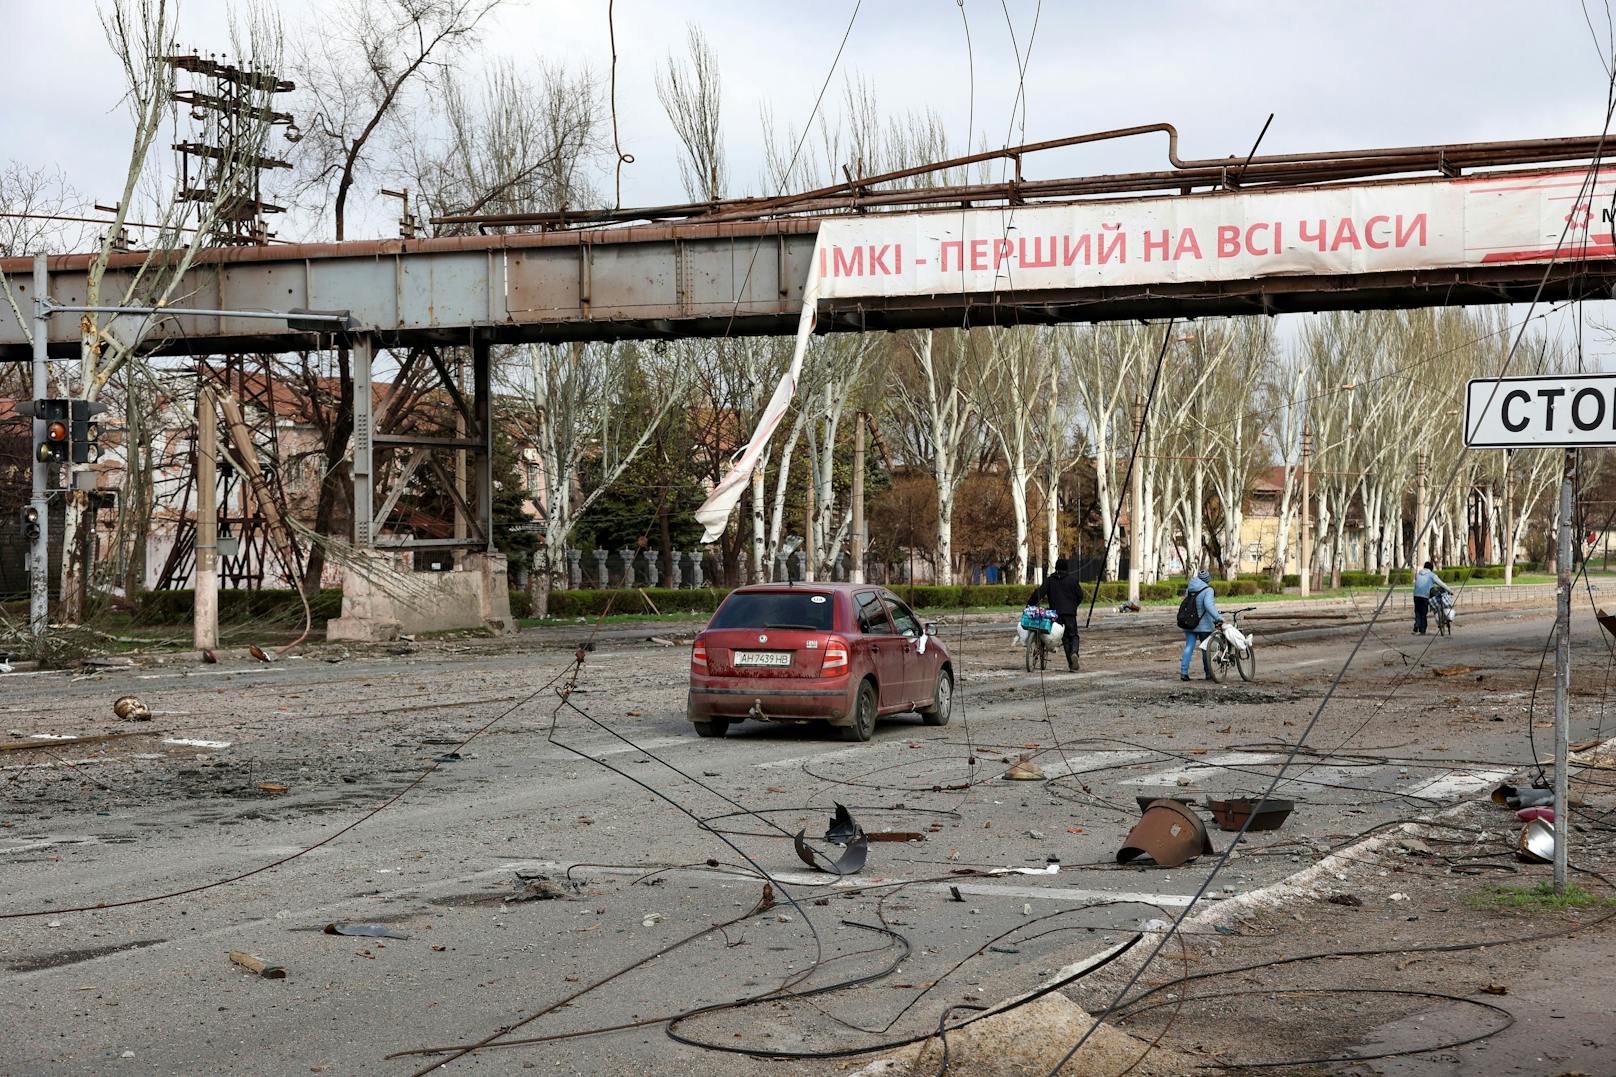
(713, 727)
(942, 700)
(863, 727)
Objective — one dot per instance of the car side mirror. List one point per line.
(931, 628)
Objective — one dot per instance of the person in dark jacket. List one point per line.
(1063, 594)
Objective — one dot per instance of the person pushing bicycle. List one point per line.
(1064, 594)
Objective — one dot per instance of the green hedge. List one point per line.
(237, 606)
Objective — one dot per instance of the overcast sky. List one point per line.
(1337, 76)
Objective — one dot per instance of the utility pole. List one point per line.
(205, 622)
(857, 573)
(39, 553)
(1422, 538)
(1305, 566)
(1562, 679)
(1136, 502)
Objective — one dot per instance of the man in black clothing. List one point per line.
(1063, 594)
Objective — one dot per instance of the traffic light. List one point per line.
(86, 431)
(53, 444)
(30, 523)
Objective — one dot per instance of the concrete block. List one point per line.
(382, 599)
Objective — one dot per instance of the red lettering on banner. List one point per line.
(1317, 239)
(1037, 259)
(1070, 250)
(1406, 234)
(1346, 234)
(1251, 242)
(1160, 245)
(1187, 243)
(1118, 244)
(1369, 232)
(897, 258)
(848, 265)
(878, 258)
(979, 254)
(1228, 240)
(958, 248)
(824, 262)
(1002, 250)
(1279, 237)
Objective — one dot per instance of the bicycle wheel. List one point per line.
(1043, 651)
(1217, 652)
(1444, 623)
(1247, 664)
(1031, 650)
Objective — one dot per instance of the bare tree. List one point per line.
(518, 144)
(140, 33)
(691, 92)
(360, 75)
(932, 390)
(572, 395)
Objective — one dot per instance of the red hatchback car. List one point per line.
(836, 652)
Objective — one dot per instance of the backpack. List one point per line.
(1189, 611)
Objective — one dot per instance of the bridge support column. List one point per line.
(382, 593)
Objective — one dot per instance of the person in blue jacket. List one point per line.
(1425, 582)
(1200, 589)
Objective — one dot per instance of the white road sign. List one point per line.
(1565, 411)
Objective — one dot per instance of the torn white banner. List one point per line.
(714, 512)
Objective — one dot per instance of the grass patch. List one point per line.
(1541, 896)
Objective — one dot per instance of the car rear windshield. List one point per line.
(775, 609)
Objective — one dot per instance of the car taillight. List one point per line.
(835, 658)
(698, 657)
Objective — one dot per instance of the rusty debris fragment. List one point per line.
(130, 709)
(850, 863)
(895, 835)
(1169, 833)
(1025, 770)
(1265, 814)
(1508, 796)
(258, 653)
(534, 887)
(272, 787)
(257, 966)
(1536, 843)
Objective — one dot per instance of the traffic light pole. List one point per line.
(38, 553)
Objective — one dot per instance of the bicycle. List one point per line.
(1228, 646)
(1441, 612)
(1038, 624)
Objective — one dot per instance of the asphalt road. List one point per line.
(649, 835)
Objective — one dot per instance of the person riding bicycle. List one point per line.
(1064, 594)
(1202, 601)
(1426, 582)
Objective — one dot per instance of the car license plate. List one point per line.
(762, 658)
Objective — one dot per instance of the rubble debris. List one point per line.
(1508, 796)
(1600, 755)
(895, 835)
(1264, 814)
(534, 888)
(374, 931)
(130, 709)
(651, 920)
(1169, 833)
(1536, 843)
(258, 653)
(1495, 989)
(257, 966)
(851, 862)
(273, 787)
(1351, 901)
(209, 658)
(842, 828)
(1526, 815)
(1025, 770)
(107, 663)
(1186, 798)
(1452, 671)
